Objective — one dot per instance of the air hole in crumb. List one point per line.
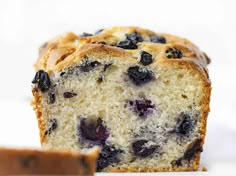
(111, 69)
(180, 76)
(166, 82)
(184, 96)
(119, 90)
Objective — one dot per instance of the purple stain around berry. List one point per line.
(108, 155)
(93, 131)
(42, 81)
(157, 39)
(139, 148)
(145, 58)
(140, 76)
(142, 107)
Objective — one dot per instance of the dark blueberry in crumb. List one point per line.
(139, 75)
(157, 39)
(85, 34)
(108, 155)
(51, 96)
(146, 58)
(173, 53)
(93, 131)
(127, 44)
(42, 80)
(142, 107)
(98, 31)
(134, 37)
(52, 125)
(141, 150)
(69, 94)
(184, 124)
(87, 65)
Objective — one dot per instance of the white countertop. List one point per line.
(25, 24)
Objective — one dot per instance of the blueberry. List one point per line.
(87, 65)
(142, 107)
(51, 96)
(93, 131)
(146, 58)
(134, 37)
(69, 94)
(157, 39)
(52, 125)
(42, 80)
(139, 148)
(85, 34)
(127, 44)
(173, 53)
(139, 75)
(184, 124)
(108, 155)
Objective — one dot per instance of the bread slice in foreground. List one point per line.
(142, 96)
(29, 161)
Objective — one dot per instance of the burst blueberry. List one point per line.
(108, 155)
(139, 148)
(142, 107)
(93, 131)
(139, 75)
(184, 124)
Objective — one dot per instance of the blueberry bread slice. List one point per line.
(37, 162)
(143, 97)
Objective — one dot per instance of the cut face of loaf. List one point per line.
(141, 96)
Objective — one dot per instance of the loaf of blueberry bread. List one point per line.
(37, 162)
(142, 96)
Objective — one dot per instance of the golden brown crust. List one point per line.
(68, 49)
(61, 48)
(28, 161)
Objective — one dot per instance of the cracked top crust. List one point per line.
(69, 48)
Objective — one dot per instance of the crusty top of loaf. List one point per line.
(69, 48)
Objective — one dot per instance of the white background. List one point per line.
(26, 24)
